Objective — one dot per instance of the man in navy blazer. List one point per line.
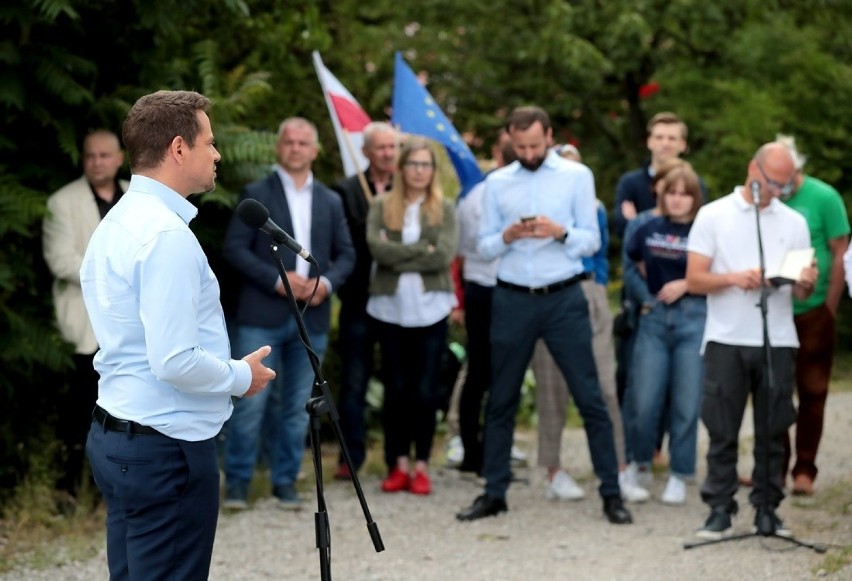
(303, 206)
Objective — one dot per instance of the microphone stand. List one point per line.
(320, 404)
(764, 526)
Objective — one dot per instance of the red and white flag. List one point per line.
(347, 116)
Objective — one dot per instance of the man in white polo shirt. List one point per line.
(723, 263)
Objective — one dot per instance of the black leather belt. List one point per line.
(113, 424)
(541, 290)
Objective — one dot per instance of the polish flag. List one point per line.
(347, 116)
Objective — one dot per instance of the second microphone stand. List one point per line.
(321, 403)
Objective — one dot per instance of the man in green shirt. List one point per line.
(823, 208)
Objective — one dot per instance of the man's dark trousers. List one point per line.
(357, 340)
(162, 497)
(561, 318)
(477, 319)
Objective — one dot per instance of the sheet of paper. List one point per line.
(791, 267)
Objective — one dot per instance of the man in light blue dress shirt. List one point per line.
(540, 218)
(166, 373)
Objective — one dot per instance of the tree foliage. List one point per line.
(737, 72)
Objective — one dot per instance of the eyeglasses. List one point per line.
(415, 165)
(784, 189)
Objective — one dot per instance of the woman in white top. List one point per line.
(412, 235)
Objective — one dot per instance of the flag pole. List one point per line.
(362, 179)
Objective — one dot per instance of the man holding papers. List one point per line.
(723, 263)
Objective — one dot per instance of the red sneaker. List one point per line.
(421, 484)
(397, 481)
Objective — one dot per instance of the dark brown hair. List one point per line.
(525, 117)
(155, 120)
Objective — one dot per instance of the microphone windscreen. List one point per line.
(252, 213)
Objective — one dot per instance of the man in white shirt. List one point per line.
(300, 204)
(724, 263)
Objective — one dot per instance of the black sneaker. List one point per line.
(767, 523)
(718, 524)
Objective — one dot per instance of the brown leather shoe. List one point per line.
(803, 485)
(342, 472)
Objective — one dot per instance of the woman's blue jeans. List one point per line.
(667, 359)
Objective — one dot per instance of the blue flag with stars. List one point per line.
(415, 112)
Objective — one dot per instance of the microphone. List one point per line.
(255, 214)
(755, 192)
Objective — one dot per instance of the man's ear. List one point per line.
(177, 149)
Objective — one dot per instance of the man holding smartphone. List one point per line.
(540, 218)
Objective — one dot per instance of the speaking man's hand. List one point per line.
(260, 374)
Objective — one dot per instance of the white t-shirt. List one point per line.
(726, 231)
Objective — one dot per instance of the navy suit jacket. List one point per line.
(247, 249)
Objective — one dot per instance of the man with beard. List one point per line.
(539, 216)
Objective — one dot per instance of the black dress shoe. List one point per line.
(615, 512)
(482, 507)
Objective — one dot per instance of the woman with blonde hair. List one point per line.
(412, 235)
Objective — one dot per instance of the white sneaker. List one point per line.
(518, 457)
(640, 476)
(675, 492)
(630, 491)
(455, 451)
(563, 487)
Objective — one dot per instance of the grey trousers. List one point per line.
(552, 390)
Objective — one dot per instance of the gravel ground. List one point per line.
(537, 539)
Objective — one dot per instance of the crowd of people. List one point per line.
(521, 261)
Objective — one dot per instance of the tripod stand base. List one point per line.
(818, 548)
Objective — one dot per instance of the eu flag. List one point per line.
(415, 111)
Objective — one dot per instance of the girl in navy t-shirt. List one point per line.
(666, 360)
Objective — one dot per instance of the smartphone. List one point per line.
(527, 218)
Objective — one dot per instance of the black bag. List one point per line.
(622, 324)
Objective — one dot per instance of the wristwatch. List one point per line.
(563, 238)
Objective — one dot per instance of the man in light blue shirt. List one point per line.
(166, 374)
(540, 218)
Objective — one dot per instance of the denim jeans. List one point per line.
(279, 410)
(667, 362)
